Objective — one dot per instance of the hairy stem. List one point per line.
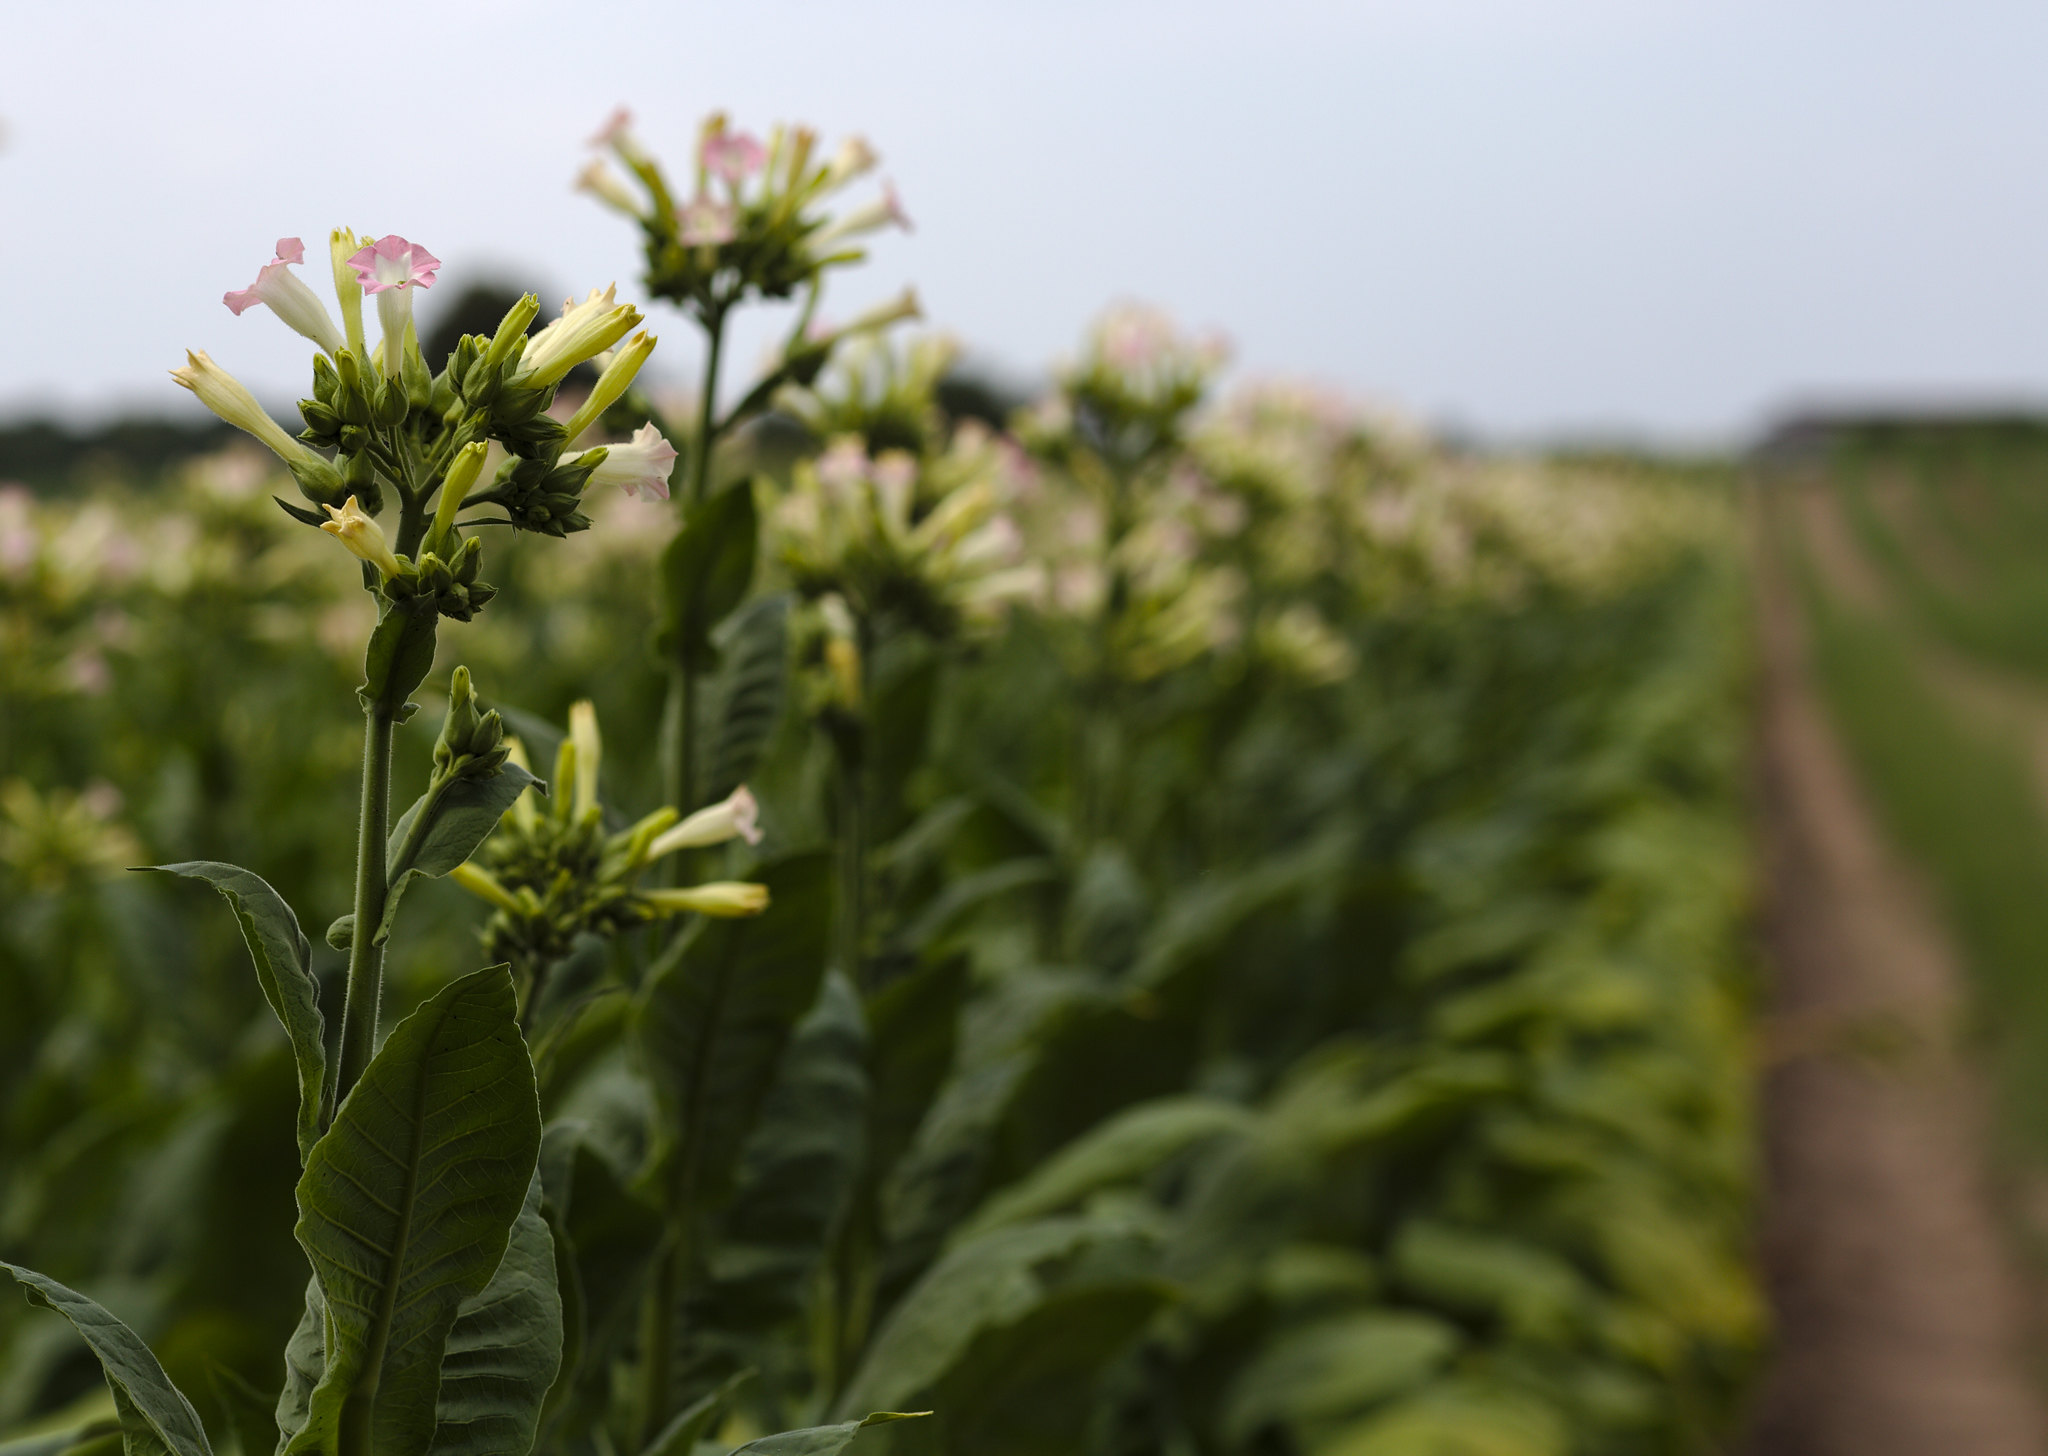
(365, 957)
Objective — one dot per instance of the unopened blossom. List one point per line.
(617, 133)
(723, 899)
(589, 752)
(584, 331)
(286, 295)
(640, 467)
(616, 372)
(706, 223)
(733, 155)
(361, 534)
(736, 816)
(227, 397)
(487, 886)
(853, 159)
(391, 268)
(600, 181)
(884, 211)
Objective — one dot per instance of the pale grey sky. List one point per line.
(1661, 216)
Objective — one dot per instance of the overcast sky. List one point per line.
(1663, 217)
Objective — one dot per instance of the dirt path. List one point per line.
(1901, 1326)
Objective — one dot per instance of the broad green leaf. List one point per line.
(156, 1419)
(753, 681)
(821, 1440)
(1128, 1147)
(983, 1285)
(444, 827)
(715, 1016)
(284, 969)
(504, 1349)
(968, 891)
(706, 569)
(798, 1169)
(1315, 1374)
(1535, 1290)
(407, 1204)
(400, 655)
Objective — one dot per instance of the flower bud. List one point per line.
(462, 475)
(617, 377)
(584, 331)
(724, 899)
(342, 244)
(589, 747)
(884, 211)
(601, 182)
(226, 396)
(485, 885)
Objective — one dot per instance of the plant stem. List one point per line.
(365, 957)
(851, 744)
(682, 687)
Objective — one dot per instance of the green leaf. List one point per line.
(305, 1358)
(1534, 1290)
(504, 1349)
(715, 1016)
(798, 1168)
(1323, 1372)
(284, 969)
(913, 1026)
(1468, 1417)
(444, 827)
(407, 1205)
(156, 1419)
(400, 655)
(1128, 1147)
(706, 570)
(752, 684)
(991, 1282)
(821, 1440)
(968, 891)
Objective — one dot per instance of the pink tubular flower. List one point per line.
(290, 299)
(733, 155)
(706, 222)
(392, 262)
(616, 126)
(640, 467)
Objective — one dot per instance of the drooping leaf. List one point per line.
(444, 827)
(799, 1165)
(156, 1419)
(284, 969)
(1323, 1372)
(706, 569)
(968, 891)
(821, 1440)
(407, 1205)
(400, 655)
(1125, 1149)
(715, 1017)
(504, 1350)
(753, 681)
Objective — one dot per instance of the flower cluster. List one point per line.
(382, 426)
(555, 873)
(928, 540)
(1128, 395)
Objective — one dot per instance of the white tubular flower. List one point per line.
(589, 751)
(392, 268)
(615, 378)
(227, 397)
(522, 812)
(285, 294)
(955, 516)
(884, 211)
(735, 817)
(363, 536)
(584, 331)
(608, 187)
(640, 467)
(724, 899)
